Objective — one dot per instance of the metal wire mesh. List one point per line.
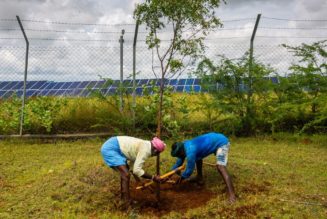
(71, 56)
(67, 51)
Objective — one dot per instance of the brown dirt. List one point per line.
(178, 198)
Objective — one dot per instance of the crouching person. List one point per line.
(117, 150)
(196, 149)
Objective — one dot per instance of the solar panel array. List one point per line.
(85, 88)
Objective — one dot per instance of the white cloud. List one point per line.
(91, 58)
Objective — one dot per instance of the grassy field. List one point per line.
(274, 177)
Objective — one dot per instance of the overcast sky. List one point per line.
(114, 12)
(119, 11)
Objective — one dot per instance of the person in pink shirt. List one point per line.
(117, 150)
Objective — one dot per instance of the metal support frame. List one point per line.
(251, 49)
(134, 71)
(121, 41)
(25, 77)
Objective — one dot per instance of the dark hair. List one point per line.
(177, 148)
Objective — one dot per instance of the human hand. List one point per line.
(179, 180)
(157, 179)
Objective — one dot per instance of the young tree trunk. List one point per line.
(159, 129)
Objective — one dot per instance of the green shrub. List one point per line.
(41, 112)
(10, 111)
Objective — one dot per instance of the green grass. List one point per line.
(274, 177)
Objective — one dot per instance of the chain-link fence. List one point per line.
(62, 51)
(71, 57)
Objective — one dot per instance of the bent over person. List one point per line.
(196, 149)
(117, 150)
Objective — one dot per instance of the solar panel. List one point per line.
(114, 84)
(66, 85)
(60, 92)
(103, 91)
(42, 85)
(4, 84)
(74, 85)
(83, 84)
(59, 85)
(139, 91)
(19, 93)
(2, 92)
(8, 94)
(274, 80)
(52, 92)
(137, 81)
(188, 88)
(91, 84)
(30, 93)
(111, 91)
(18, 86)
(196, 88)
(179, 88)
(127, 82)
(197, 81)
(50, 85)
(43, 92)
(82, 88)
(10, 85)
(30, 84)
(173, 82)
(67, 92)
(85, 93)
(181, 81)
(39, 85)
(143, 82)
(190, 81)
(76, 92)
(157, 82)
(99, 84)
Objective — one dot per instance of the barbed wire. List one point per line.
(295, 37)
(145, 32)
(78, 24)
(69, 31)
(15, 37)
(58, 39)
(163, 40)
(237, 20)
(293, 28)
(99, 24)
(7, 20)
(296, 20)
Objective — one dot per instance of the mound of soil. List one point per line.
(177, 198)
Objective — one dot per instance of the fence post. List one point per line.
(251, 51)
(121, 41)
(25, 77)
(134, 71)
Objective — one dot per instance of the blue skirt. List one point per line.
(112, 154)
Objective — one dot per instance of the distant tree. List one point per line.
(311, 70)
(310, 74)
(196, 18)
(229, 82)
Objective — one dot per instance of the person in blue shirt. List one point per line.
(194, 150)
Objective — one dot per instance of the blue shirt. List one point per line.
(199, 148)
